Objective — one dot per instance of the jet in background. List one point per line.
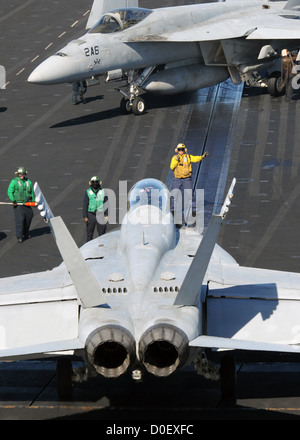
(176, 49)
(145, 300)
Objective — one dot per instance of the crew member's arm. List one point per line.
(198, 158)
(174, 162)
(11, 191)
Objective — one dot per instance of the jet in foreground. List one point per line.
(176, 49)
(144, 299)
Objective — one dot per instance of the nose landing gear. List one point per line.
(131, 102)
(135, 105)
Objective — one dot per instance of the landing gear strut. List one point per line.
(131, 102)
(64, 384)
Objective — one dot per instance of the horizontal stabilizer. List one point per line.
(33, 351)
(100, 7)
(84, 281)
(192, 282)
(238, 344)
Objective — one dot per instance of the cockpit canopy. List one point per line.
(119, 19)
(149, 192)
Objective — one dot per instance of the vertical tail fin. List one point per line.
(192, 282)
(293, 5)
(86, 285)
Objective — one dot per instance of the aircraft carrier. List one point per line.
(249, 135)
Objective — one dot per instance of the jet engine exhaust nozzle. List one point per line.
(163, 348)
(110, 350)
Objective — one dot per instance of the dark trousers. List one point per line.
(101, 227)
(183, 184)
(23, 218)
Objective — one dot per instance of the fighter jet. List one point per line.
(176, 49)
(147, 298)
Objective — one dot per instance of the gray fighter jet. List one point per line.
(176, 49)
(143, 299)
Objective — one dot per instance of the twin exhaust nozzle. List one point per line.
(112, 349)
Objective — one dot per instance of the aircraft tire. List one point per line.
(275, 87)
(125, 106)
(64, 379)
(138, 106)
(228, 377)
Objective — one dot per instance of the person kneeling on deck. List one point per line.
(93, 208)
(181, 165)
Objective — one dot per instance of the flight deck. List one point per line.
(249, 135)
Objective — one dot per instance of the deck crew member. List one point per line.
(288, 61)
(20, 190)
(94, 212)
(181, 165)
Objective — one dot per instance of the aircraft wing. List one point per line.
(41, 350)
(279, 28)
(253, 304)
(201, 32)
(238, 344)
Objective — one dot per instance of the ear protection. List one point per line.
(90, 182)
(180, 146)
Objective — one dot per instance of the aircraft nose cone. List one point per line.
(54, 70)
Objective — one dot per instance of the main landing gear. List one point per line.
(131, 102)
(276, 84)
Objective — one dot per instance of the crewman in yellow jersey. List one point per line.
(181, 165)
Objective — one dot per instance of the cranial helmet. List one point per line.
(21, 170)
(181, 145)
(95, 179)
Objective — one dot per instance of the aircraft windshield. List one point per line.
(149, 192)
(119, 19)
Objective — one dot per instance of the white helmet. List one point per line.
(284, 53)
